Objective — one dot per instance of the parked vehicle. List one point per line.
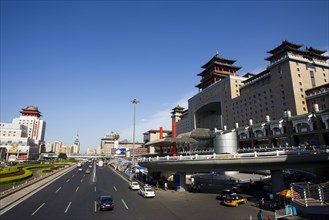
(225, 193)
(105, 203)
(234, 200)
(134, 185)
(146, 192)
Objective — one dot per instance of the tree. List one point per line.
(62, 156)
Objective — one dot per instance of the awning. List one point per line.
(168, 141)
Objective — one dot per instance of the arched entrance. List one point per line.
(209, 116)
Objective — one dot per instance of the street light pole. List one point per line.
(134, 101)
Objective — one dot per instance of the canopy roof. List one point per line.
(168, 141)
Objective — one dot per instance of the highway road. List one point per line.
(73, 196)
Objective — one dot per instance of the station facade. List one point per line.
(285, 104)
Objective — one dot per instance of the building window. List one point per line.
(312, 79)
(297, 63)
(302, 95)
(300, 83)
(301, 89)
(299, 75)
(298, 69)
(280, 69)
(304, 109)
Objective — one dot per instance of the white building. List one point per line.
(35, 126)
(24, 137)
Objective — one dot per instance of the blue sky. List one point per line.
(82, 62)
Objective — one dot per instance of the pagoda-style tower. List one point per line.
(216, 69)
(31, 111)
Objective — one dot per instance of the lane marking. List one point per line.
(95, 206)
(115, 188)
(58, 189)
(67, 208)
(77, 189)
(29, 194)
(73, 175)
(95, 188)
(81, 180)
(38, 208)
(67, 180)
(124, 203)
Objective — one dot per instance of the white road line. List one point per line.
(77, 189)
(38, 208)
(115, 188)
(81, 180)
(73, 175)
(67, 208)
(67, 180)
(95, 206)
(124, 203)
(95, 188)
(58, 189)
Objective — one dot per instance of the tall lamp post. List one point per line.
(134, 101)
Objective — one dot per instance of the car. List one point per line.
(241, 188)
(134, 185)
(80, 169)
(105, 203)
(224, 194)
(87, 171)
(146, 192)
(234, 200)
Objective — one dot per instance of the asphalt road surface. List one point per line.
(73, 196)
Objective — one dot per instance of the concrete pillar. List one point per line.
(277, 181)
(180, 180)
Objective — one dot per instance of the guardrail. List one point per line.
(237, 155)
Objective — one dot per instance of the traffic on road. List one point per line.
(76, 195)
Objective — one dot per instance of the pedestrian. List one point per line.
(260, 215)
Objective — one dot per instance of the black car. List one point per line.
(224, 194)
(105, 203)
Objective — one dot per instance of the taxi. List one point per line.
(234, 200)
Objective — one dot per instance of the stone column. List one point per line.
(180, 181)
(277, 181)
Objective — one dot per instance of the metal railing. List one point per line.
(237, 155)
(307, 194)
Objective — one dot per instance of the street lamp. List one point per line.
(134, 101)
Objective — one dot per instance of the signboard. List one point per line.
(120, 151)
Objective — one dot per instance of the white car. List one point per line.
(146, 192)
(134, 185)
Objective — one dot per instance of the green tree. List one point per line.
(62, 156)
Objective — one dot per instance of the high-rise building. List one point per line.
(36, 127)
(23, 138)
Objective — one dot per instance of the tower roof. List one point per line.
(219, 60)
(285, 44)
(31, 111)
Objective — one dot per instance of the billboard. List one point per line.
(120, 151)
